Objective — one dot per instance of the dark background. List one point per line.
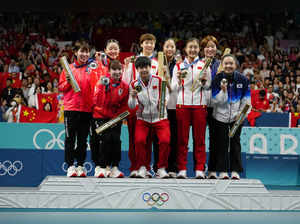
(155, 5)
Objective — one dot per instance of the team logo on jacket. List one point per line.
(120, 91)
(239, 85)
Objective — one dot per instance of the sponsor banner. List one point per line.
(256, 140)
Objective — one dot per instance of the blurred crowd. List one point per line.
(32, 43)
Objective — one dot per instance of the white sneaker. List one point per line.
(162, 173)
(116, 173)
(133, 174)
(235, 175)
(141, 173)
(81, 171)
(71, 172)
(224, 176)
(200, 174)
(172, 174)
(181, 174)
(99, 172)
(107, 171)
(212, 175)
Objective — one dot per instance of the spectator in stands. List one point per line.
(274, 105)
(13, 67)
(8, 92)
(3, 109)
(260, 104)
(25, 88)
(49, 87)
(12, 113)
(264, 72)
(32, 99)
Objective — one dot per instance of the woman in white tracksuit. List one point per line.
(191, 108)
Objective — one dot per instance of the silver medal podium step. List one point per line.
(166, 194)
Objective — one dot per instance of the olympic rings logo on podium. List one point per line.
(10, 168)
(53, 139)
(158, 199)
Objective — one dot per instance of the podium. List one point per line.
(144, 194)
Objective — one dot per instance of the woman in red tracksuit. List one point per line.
(191, 108)
(78, 108)
(112, 50)
(110, 100)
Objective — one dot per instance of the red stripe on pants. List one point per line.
(143, 130)
(197, 118)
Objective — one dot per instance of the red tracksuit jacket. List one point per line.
(110, 100)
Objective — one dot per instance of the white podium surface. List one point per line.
(163, 194)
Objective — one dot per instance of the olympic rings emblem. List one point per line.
(10, 168)
(50, 144)
(87, 166)
(155, 198)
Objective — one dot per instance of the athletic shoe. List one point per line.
(81, 171)
(71, 172)
(141, 173)
(172, 174)
(133, 174)
(235, 175)
(212, 175)
(200, 174)
(223, 176)
(116, 173)
(162, 173)
(181, 174)
(99, 172)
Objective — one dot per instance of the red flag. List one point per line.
(28, 114)
(44, 98)
(294, 119)
(32, 115)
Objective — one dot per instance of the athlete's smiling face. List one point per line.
(169, 48)
(192, 49)
(229, 64)
(210, 49)
(112, 50)
(148, 47)
(144, 73)
(83, 55)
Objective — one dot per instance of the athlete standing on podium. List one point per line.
(78, 108)
(145, 94)
(191, 108)
(230, 93)
(110, 100)
(147, 43)
(209, 45)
